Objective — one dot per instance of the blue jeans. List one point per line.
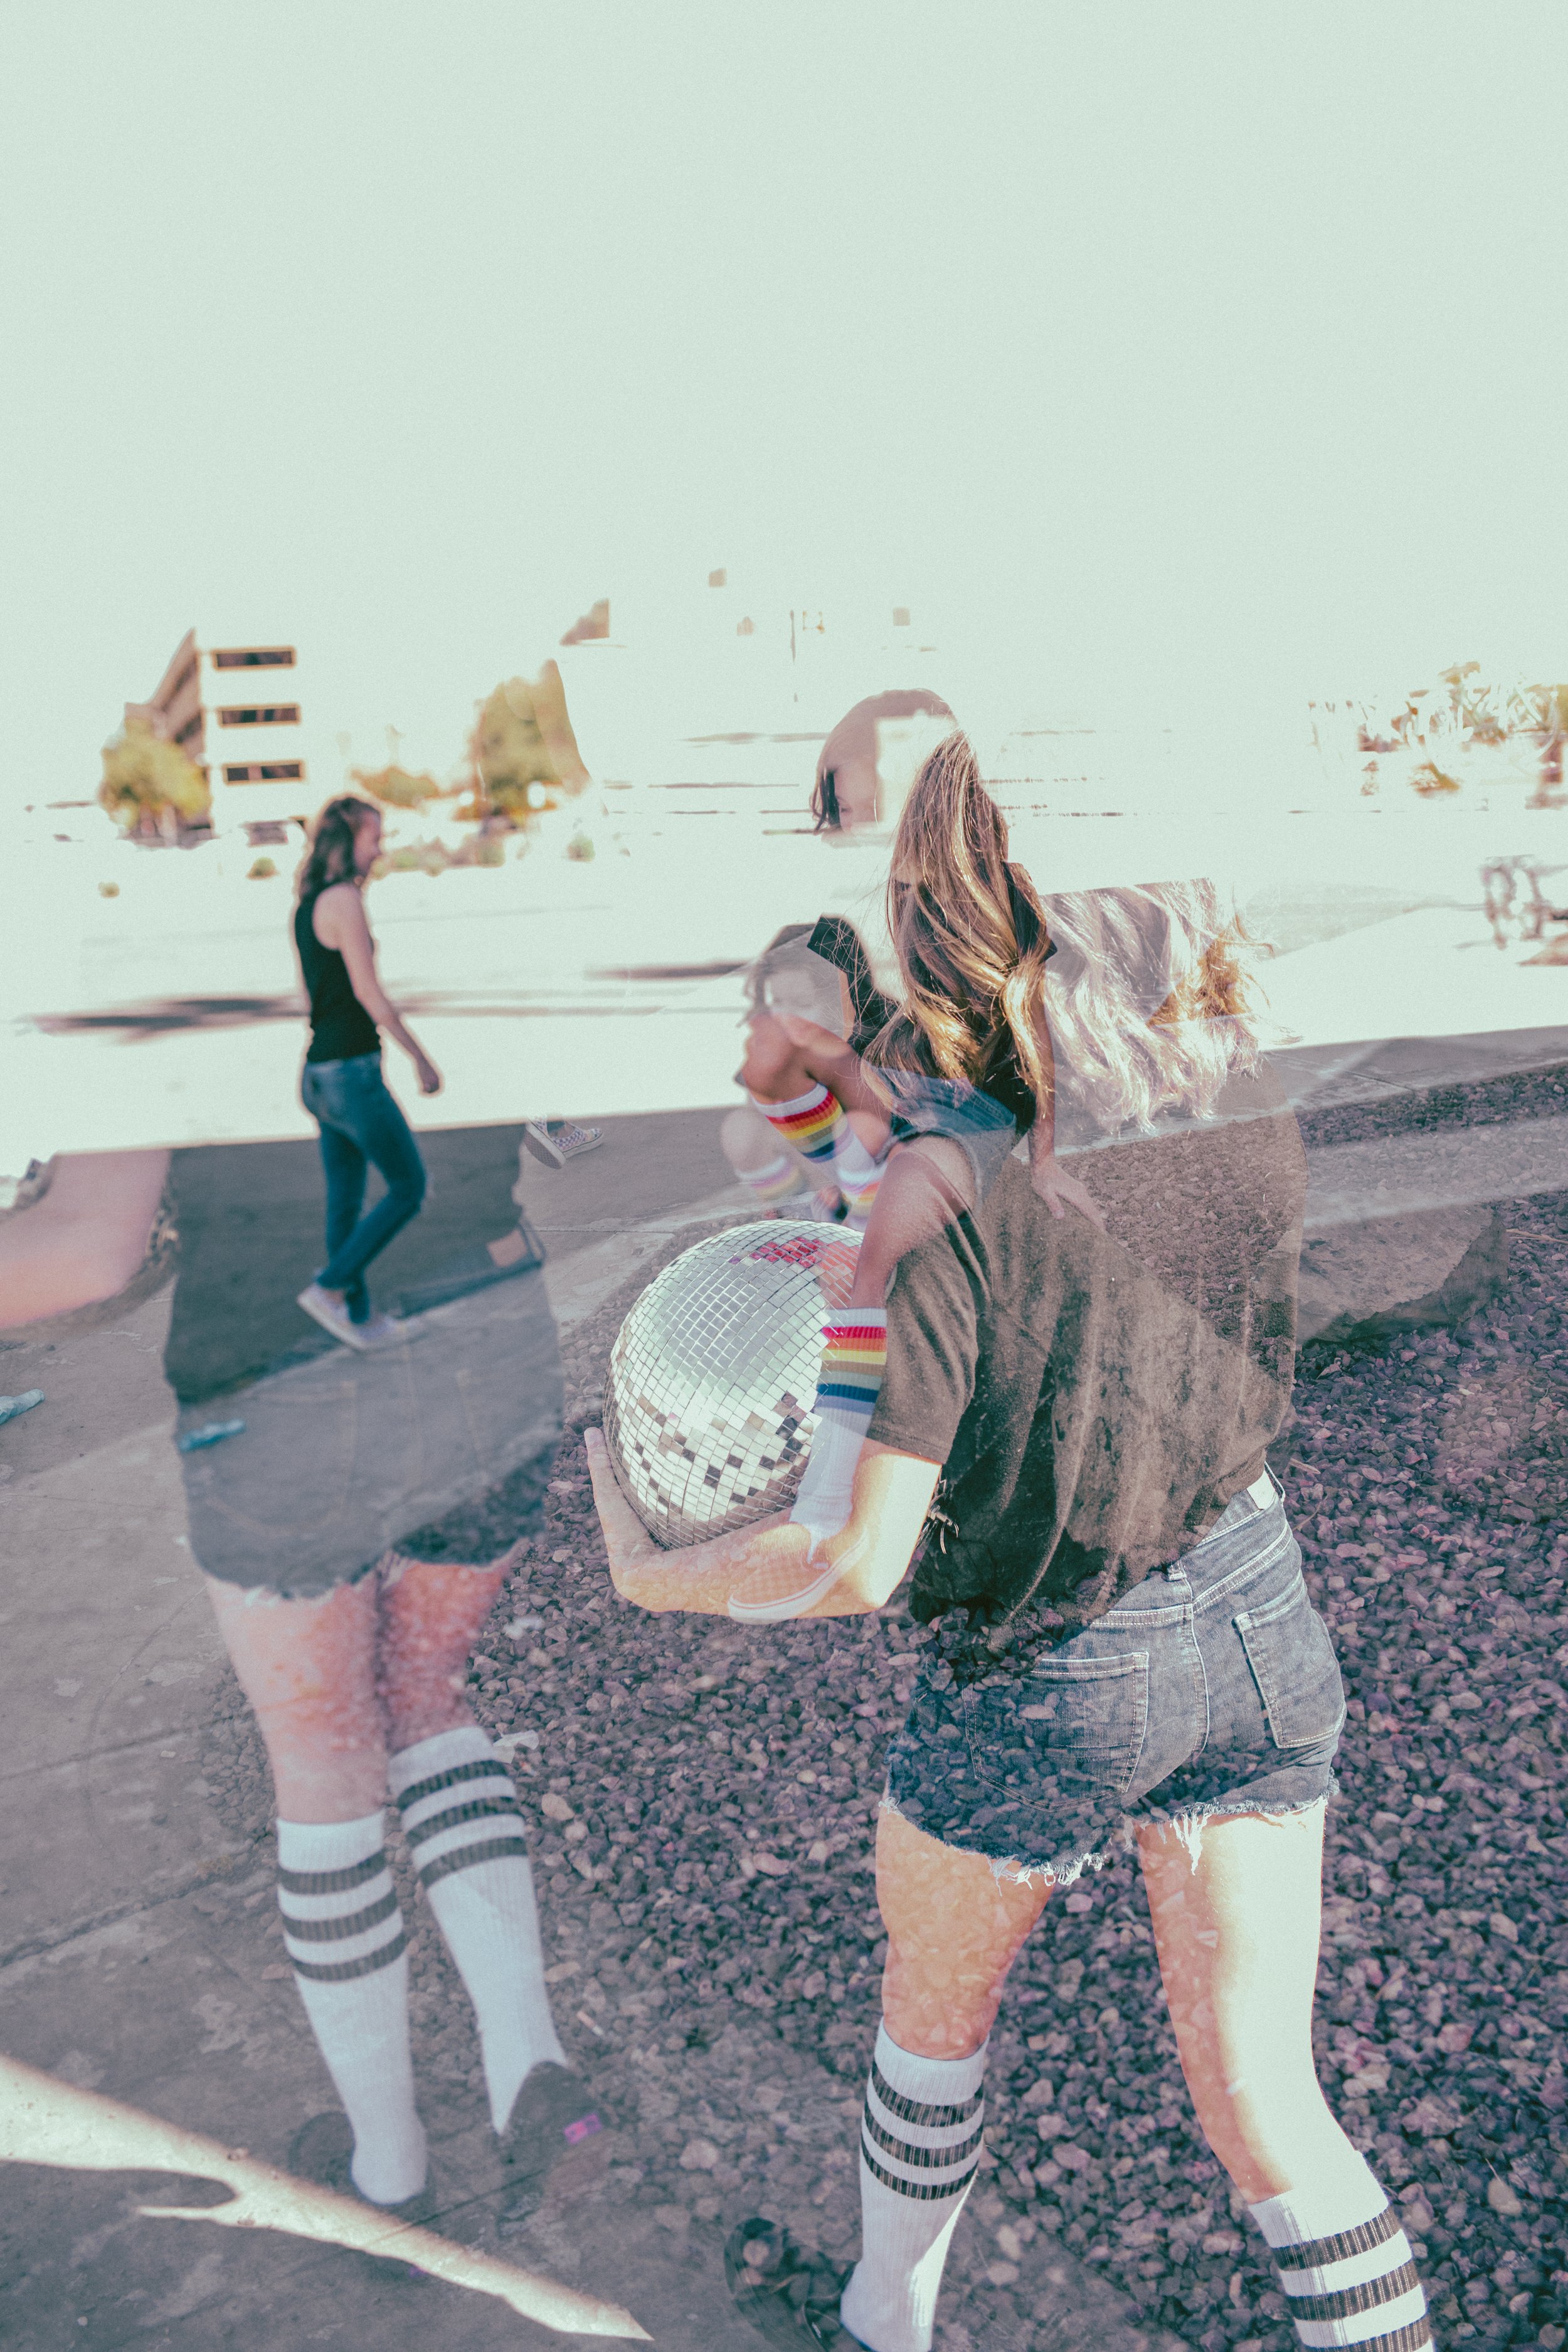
(1210, 1688)
(362, 1127)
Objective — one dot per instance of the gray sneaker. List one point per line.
(557, 1141)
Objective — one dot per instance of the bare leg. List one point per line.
(431, 1613)
(786, 1056)
(1237, 1939)
(955, 1929)
(308, 1668)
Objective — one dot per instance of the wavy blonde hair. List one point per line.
(968, 931)
(1150, 996)
(1153, 999)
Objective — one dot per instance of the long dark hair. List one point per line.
(330, 856)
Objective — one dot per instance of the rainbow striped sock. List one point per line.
(854, 1359)
(811, 1124)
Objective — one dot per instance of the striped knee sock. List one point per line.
(811, 1124)
(460, 1818)
(1345, 2267)
(854, 1359)
(920, 2147)
(344, 1932)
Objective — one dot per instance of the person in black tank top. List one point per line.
(342, 1087)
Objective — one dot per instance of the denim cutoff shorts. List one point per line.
(1210, 1688)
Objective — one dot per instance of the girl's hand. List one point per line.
(429, 1075)
(1061, 1191)
(627, 1540)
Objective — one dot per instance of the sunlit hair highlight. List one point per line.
(1149, 1003)
(1153, 1001)
(967, 929)
(330, 856)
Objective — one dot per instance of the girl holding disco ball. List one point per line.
(1067, 1433)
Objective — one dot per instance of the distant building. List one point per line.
(236, 707)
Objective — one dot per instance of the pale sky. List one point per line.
(1196, 350)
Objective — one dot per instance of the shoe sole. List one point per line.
(774, 1613)
(544, 1152)
(323, 1316)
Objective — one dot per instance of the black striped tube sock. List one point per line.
(1346, 2268)
(920, 2147)
(344, 1932)
(466, 1837)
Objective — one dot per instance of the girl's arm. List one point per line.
(892, 1495)
(84, 1239)
(347, 931)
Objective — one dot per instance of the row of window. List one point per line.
(278, 771)
(255, 657)
(274, 714)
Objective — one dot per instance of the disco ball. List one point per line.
(708, 1401)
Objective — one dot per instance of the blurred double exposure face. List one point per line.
(872, 757)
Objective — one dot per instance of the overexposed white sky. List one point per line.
(1195, 351)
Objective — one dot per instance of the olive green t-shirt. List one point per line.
(1097, 1398)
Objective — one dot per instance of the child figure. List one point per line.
(913, 1119)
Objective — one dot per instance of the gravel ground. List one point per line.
(704, 1801)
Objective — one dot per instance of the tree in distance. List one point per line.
(522, 754)
(149, 785)
(396, 787)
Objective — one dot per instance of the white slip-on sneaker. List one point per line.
(331, 1314)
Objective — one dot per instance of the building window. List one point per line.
(280, 771)
(255, 657)
(272, 714)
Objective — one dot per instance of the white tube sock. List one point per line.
(854, 1359)
(460, 1818)
(920, 2147)
(344, 1932)
(1345, 2265)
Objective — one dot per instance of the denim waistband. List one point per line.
(1247, 1536)
(347, 1062)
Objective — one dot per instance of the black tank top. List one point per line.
(341, 1028)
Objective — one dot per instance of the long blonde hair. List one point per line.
(968, 931)
(1153, 1001)
(1150, 1006)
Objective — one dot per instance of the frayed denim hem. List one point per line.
(1010, 1870)
(389, 1570)
(1186, 1827)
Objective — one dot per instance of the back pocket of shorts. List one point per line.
(1076, 1723)
(1294, 1666)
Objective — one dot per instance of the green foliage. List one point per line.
(142, 776)
(508, 753)
(262, 869)
(396, 787)
(435, 857)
